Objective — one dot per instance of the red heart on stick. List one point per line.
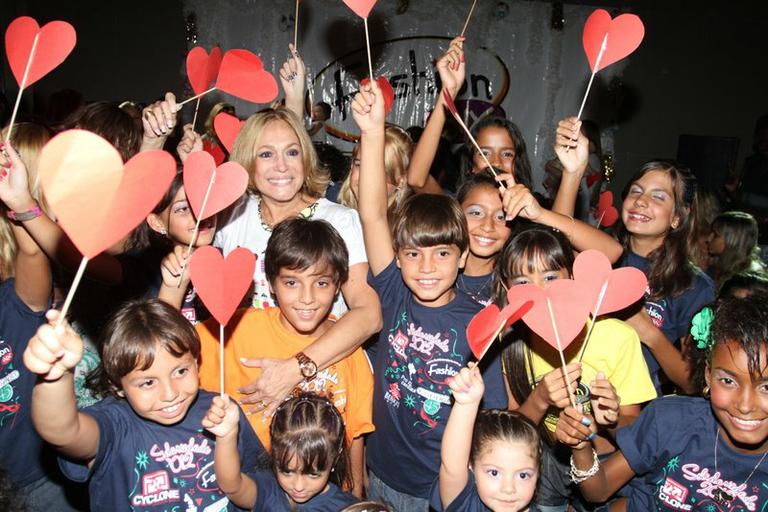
(386, 91)
(623, 286)
(215, 151)
(222, 283)
(607, 214)
(98, 200)
(624, 34)
(228, 186)
(55, 42)
(489, 322)
(202, 68)
(361, 7)
(242, 74)
(227, 128)
(570, 304)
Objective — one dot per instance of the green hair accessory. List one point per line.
(700, 328)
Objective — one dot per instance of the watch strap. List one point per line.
(24, 216)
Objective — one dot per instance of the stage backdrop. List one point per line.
(518, 58)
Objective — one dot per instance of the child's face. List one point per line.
(539, 275)
(739, 400)
(506, 474)
(498, 147)
(163, 392)
(715, 243)
(301, 487)
(179, 222)
(429, 272)
(486, 221)
(305, 298)
(649, 208)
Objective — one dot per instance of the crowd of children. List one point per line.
(307, 419)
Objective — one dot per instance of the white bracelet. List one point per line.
(578, 475)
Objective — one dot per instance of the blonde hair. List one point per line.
(398, 148)
(28, 139)
(244, 150)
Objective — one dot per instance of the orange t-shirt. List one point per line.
(258, 333)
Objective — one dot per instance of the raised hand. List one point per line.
(189, 143)
(518, 200)
(53, 351)
(452, 68)
(14, 181)
(171, 265)
(368, 108)
(158, 120)
(223, 417)
(571, 146)
(293, 80)
(467, 386)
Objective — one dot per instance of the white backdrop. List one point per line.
(547, 70)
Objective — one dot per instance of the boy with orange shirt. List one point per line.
(305, 263)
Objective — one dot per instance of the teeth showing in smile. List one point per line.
(280, 181)
(171, 409)
(427, 282)
(746, 423)
(484, 240)
(638, 217)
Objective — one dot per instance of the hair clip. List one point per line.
(700, 325)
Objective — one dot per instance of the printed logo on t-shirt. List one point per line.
(177, 473)
(690, 486)
(656, 311)
(9, 399)
(419, 365)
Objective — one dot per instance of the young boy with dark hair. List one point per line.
(423, 342)
(306, 264)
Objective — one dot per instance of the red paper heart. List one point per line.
(55, 42)
(227, 128)
(570, 307)
(215, 151)
(361, 7)
(222, 283)
(623, 286)
(242, 74)
(489, 322)
(625, 33)
(98, 200)
(228, 186)
(607, 214)
(386, 90)
(202, 68)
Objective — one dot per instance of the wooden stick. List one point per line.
(197, 226)
(194, 118)
(468, 16)
(21, 88)
(221, 359)
(591, 79)
(594, 319)
(368, 47)
(179, 105)
(560, 350)
(72, 289)
(296, 28)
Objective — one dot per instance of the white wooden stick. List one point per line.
(72, 289)
(197, 225)
(560, 350)
(21, 88)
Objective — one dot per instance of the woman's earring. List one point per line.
(163, 232)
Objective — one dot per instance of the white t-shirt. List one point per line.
(244, 229)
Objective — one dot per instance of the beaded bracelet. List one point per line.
(579, 475)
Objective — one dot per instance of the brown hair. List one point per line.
(739, 231)
(502, 425)
(112, 123)
(670, 272)
(426, 220)
(143, 236)
(297, 244)
(309, 430)
(244, 149)
(131, 338)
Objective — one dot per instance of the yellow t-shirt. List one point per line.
(614, 349)
(258, 333)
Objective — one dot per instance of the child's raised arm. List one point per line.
(609, 476)
(452, 69)
(572, 149)
(368, 111)
(53, 354)
(467, 388)
(292, 78)
(222, 420)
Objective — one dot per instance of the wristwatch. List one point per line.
(307, 367)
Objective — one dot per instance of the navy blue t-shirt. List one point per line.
(467, 501)
(672, 315)
(142, 465)
(418, 349)
(671, 449)
(21, 449)
(477, 287)
(270, 497)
